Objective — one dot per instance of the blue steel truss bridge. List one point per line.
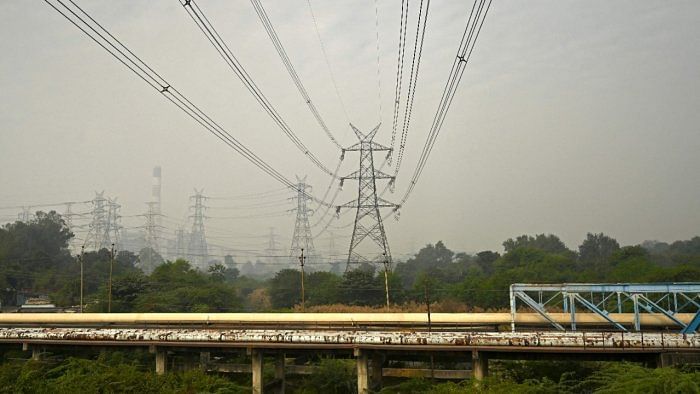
(612, 302)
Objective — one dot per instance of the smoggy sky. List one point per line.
(572, 116)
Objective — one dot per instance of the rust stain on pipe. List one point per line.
(205, 337)
(349, 319)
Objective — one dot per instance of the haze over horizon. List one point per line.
(571, 117)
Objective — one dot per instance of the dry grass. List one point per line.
(444, 306)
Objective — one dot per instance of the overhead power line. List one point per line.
(90, 27)
(413, 80)
(270, 29)
(328, 63)
(203, 23)
(403, 27)
(475, 22)
(379, 68)
(254, 196)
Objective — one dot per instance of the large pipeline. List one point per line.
(544, 341)
(319, 319)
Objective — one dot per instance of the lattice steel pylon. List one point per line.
(113, 229)
(98, 233)
(368, 220)
(302, 238)
(197, 247)
(151, 228)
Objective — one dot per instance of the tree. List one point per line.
(485, 260)
(597, 249)
(149, 259)
(322, 288)
(548, 243)
(34, 256)
(434, 260)
(217, 272)
(360, 287)
(285, 288)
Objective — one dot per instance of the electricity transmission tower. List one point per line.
(98, 233)
(180, 244)
(113, 228)
(273, 250)
(68, 216)
(368, 228)
(197, 248)
(151, 231)
(302, 238)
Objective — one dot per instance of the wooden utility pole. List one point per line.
(82, 277)
(430, 329)
(301, 261)
(111, 268)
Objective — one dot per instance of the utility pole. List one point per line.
(111, 269)
(301, 261)
(302, 238)
(82, 278)
(368, 220)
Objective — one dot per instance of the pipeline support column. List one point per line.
(480, 364)
(161, 361)
(257, 369)
(279, 373)
(362, 371)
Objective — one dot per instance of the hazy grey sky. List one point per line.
(573, 116)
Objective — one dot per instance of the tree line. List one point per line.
(34, 258)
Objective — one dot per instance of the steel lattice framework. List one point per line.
(368, 220)
(197, 249)
(605, 299)
(302, 238)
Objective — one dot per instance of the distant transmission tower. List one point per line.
(368, 220)
(98, 233)
(113, 227)
(25, 216)
(68, 219)
(151, 227)
(273, 250)
(302, 238)
(197, 248)
(180, 244)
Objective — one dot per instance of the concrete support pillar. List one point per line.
(257, 369)
(362, 372)
(36, 353)
(204, 360)
(161, 361)
(480, 365)
(377, 365)
(279, 373)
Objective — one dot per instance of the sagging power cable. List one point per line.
(95, 31)
(270, 29)
(475, 22)
(212, 35)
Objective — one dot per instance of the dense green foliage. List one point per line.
(608, 378)
(34, 259)
(105, 375)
